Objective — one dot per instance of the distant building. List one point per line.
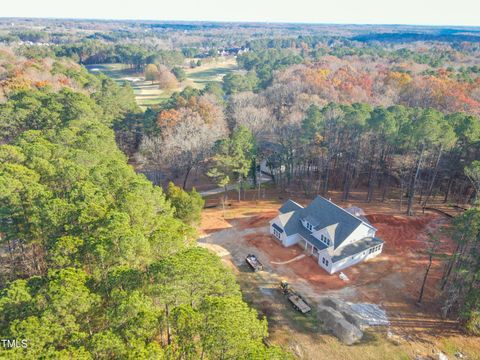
(337, 237)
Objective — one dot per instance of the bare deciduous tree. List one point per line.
(182, 147)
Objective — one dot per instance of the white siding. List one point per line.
(354, 259)
(325, 261)
(292, 240)
(317, 234)
(277, 222)
(286, 240)
(302, 243)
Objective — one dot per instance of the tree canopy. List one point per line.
(100, 263)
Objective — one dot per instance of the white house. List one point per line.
(335, 236)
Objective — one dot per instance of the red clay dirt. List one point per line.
(257, 221)
(391, 280)
(213, 224)
(306, 268)
(401, 233)
(276, 252)
(405, 236)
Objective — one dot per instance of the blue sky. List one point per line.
(426, 12)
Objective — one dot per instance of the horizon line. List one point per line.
(264, 22)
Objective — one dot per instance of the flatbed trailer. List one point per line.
(254, 263)
(295, 299)
(298, 303)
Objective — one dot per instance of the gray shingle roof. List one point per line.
(289, 206)
(313, 220)
(327, 213)
(292, 224)
(321, 213)
(356, 248)
(310, 238)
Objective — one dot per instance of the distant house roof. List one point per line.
(289, 206)
(320, 213)
(355, 248)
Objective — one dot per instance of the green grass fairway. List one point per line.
(148, 94)
(211, 71)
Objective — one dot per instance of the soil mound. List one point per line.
(401, 233)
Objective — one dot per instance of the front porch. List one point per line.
(309, 248)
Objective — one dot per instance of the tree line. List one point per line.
(419, 151)
(460, 279)
(413, 154)
(90, 51)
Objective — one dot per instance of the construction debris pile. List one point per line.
(371, 314)
(347, 321)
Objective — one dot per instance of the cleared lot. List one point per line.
(391, 280)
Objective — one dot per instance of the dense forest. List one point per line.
(98, 262)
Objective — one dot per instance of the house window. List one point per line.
(374, 249)
(323, 260)
(326, 262)
(324, 239)
(309, 226)
(276, 233)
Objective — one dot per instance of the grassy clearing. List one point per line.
(211, 71)
(148, 94)
(468, 346)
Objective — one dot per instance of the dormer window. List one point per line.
(309, 226)
(325, 239)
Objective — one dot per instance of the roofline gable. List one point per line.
(345, 211)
